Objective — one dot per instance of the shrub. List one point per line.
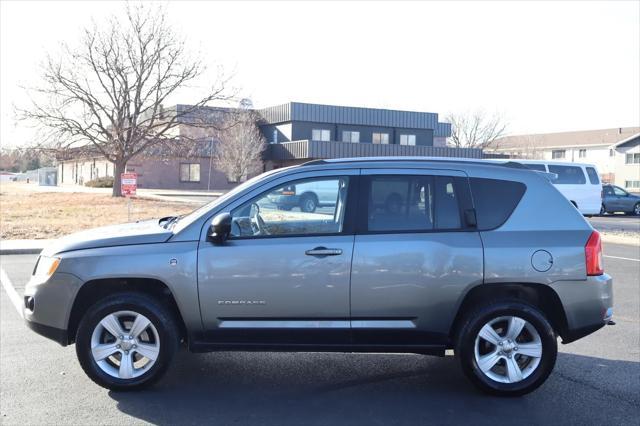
(103, 182)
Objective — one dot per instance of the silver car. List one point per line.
(411, 255)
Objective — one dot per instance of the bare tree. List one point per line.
(105, 96)
(476, 129)
(240, 148)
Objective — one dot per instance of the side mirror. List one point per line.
(220, 228)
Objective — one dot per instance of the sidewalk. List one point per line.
(176, 195)
(23, 246)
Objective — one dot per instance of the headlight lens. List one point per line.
(46, 266)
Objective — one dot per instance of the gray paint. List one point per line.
(295, 111)
(416, 277)
(319, 150)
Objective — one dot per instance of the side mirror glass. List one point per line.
(220, 228)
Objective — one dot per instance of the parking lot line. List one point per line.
(13, 294)
(623, 258)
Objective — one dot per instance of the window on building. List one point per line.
(582, 153)
(632, 158)
(558, 154)
(380, 138)
(568, 175)
(275, 136)
(408, 140)
(321, 135)
(593, 176)
(350, 136)
(632, 184)
(190, 172)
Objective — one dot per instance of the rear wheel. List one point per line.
(507, 348)
(308, 203)
(603, 211)
(126, 341)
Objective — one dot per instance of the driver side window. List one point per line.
(303, 207)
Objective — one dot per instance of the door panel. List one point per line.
(414, 278)
(414, 256)
(283, 275)
(270, 290)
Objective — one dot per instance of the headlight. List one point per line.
(46, 266)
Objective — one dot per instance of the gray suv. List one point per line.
(413, 255)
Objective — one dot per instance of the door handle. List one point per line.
(323, 251)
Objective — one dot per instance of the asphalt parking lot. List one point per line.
(596, 380)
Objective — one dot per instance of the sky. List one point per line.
(544, 66)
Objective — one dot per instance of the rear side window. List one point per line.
(495, 200)
(593, 176)
(568, 175)
(538, 167)
(412, 203)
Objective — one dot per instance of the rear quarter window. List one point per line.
(568, 175)
(593, 176)
(494, 200)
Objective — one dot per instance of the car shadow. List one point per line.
(355, 389)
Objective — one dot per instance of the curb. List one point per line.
(26, 250)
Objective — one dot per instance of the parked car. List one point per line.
(307, 196)
(578, 182)
(616, 199)
(416, 255)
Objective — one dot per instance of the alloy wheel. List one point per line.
(508, 349)
(125, 344)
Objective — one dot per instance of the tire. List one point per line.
(308, 203)
(603, 210)
(497, 380)
(159, 339)
(636, 210)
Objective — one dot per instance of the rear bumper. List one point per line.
(588, 305)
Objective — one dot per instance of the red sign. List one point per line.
(128, 184)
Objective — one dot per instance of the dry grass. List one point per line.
(26, 214)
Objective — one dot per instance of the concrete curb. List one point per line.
(22, 246)
(32, 250)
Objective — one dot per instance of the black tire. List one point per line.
(603, 210)
(636, 210)
(308, 203)
(466, 339)
(155, 311)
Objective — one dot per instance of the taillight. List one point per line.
(593, 254)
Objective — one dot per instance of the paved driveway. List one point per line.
(596, 380)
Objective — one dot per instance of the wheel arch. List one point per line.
(94, 290)
(539, 295)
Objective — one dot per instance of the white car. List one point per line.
(578, 182)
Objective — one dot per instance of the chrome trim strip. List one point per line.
(382, 324)
(284, 324)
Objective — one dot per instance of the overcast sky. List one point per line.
(547, 66)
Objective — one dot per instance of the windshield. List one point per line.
(188, 219)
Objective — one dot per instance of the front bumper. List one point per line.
(47, 305)
(588, 305)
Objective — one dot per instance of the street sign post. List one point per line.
(128, 186)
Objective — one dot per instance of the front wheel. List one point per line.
(636, 209)
(126, 341)
(507, 348)
(603, 211)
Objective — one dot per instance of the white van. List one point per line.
(579, 182)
